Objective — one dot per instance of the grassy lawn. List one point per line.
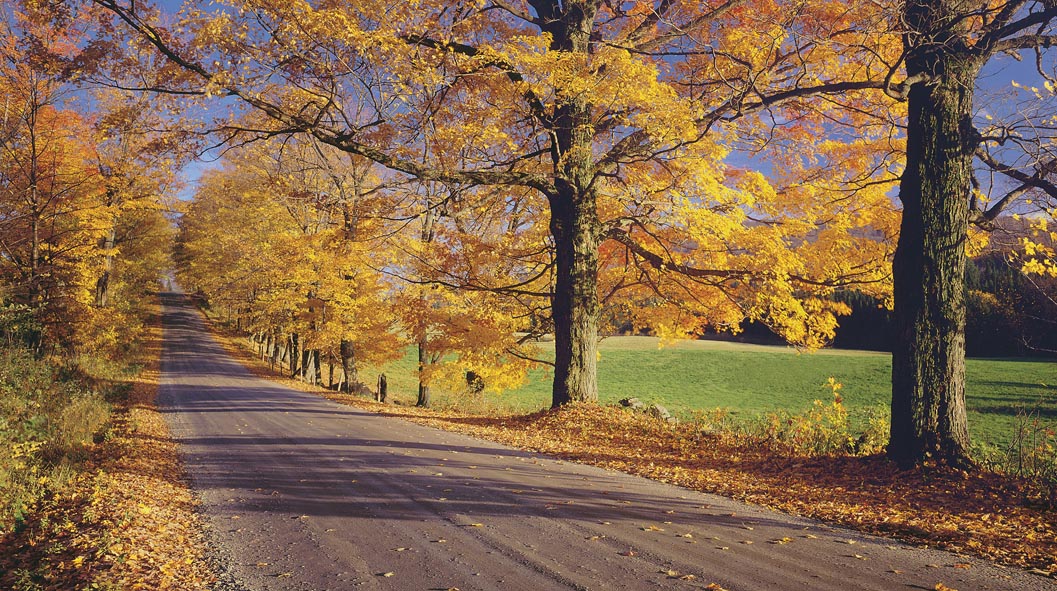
(751, 379)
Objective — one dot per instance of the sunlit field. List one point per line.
(752, 379)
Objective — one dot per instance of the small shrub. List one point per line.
(821, 430)
(824, 429)
(48, 419)
(1031, 455)
(878, 426)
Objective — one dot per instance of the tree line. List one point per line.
(83, 235)
(691, 164)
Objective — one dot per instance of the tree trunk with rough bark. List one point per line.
(102, 283)
(574, 222)
(928, 361)
(347, 350)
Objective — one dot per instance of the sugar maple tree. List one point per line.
(946, 44)
(51, 197)
(620, 119)
(471, 270)
(82, 233)
(297, 239)
(268, 236)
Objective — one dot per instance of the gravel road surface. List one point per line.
(300, 493)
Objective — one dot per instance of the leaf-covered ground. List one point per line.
(127, 523)
(980, 514)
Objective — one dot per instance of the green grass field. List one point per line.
(752, 379)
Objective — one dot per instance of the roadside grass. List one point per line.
(114, 513)
(50, 415)
(751, 380)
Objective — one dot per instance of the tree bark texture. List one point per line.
(574, 222)
(928, 361)
(347, 349)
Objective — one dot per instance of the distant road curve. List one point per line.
(301, 493)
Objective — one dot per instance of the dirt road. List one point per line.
(303, 493)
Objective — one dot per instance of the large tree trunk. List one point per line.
(574, 222)
(575, 303)
(348, 364)
(928, 360)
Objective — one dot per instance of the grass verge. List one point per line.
(124, 519)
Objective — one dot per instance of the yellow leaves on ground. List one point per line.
(131, 524)
(978, 514)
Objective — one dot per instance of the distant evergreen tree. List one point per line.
(1008, 314)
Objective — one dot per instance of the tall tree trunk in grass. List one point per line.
(574, 225)
(928, 361)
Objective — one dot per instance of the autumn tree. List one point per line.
(50, 195)
(470, 276)
(946, 43)
(276, 236)
(620, 119)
